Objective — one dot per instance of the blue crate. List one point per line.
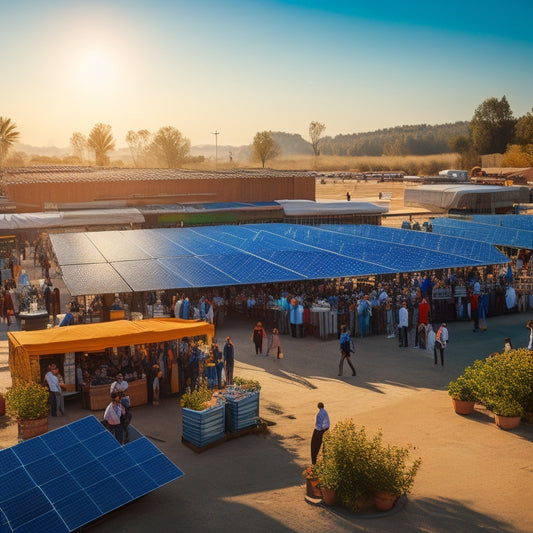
(242, 411)
(204, 427)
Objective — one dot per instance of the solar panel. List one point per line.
(210, 256)
(67, 478)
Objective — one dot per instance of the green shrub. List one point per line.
(27, 401)
(247, 384)
(466, 386)
(357, 465)
(505, 382)
(196, 399)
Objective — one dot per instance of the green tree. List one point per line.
(138, 141)
(264, 147)
(524, 129)
(492, 126)
(8, 136)
(315, 132)
(170, 147)
(101, 141)
(79, 144)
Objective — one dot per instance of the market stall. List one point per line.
(91, 354)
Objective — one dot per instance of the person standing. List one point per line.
(120, 386)
(529, 325)
(112, 415)
(229, 360)
(54, 388)
(474, 300)
(321, 426)
(403, 325)
(218, 359)
(441, 340)
(345, 345)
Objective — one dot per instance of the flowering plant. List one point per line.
(27, 401)
(310, 472)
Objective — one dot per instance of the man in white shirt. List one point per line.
(441, 340)
(403, 325)
(55, 390)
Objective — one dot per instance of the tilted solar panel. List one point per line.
(67, 478)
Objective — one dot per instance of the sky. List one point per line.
(241, 66)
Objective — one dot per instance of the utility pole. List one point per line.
(216, 133)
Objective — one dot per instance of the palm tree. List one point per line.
(101, 141)
(8, 136)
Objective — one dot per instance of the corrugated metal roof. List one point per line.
(173, 258)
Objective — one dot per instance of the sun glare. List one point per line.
(96, 69)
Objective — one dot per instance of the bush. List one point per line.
(247, 384)
(197, 399)
(27, 401)
(466, 386)
(357, 465)
(506, 382)
(502, 382)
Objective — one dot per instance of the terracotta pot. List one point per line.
(462, 407)
(312, 488)
(2, 405)
(32, 428)
(507, 422)
(385, 500)
(329, 496)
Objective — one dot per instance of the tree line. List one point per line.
(492, 129)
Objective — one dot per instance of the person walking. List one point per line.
(403, 325)
(441, 340)
(275, 344)
(321, 426)
(345, 346)
(259, 338)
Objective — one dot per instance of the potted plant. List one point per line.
(312, 482)
(328, 474)
(506, 385)
(357, 466)
(464, 391)
(203, 418)
(392, 472)
(28, 403)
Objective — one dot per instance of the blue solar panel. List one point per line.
(48, 467)
(49, 522)
(8, 461)
(137, 482)
(60, 487)
(73, 456)
(487, 233)
(212, 256)
(71, 476)
(31, 450)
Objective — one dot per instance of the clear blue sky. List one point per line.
(243, 66)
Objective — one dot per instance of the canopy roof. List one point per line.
(210, 256)
(98, 337)
(515, 231)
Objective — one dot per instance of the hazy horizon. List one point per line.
(240, 67)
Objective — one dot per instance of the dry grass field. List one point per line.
(412, 165)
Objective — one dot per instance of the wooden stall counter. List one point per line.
(97, 397)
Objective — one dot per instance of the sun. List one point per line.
(96, 69)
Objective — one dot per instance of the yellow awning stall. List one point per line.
(25, 347)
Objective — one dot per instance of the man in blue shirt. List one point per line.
(345, 351)
(321, 426)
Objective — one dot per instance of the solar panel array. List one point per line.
(71, 476)
(515, 231)
(210, 256)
